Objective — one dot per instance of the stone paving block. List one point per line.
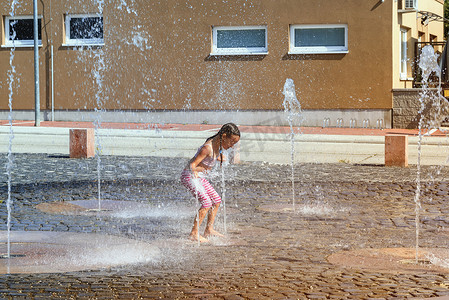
(150, 296)
(85, 295)
(46, 228)
(43, 296)
(399, 222)
(232, 297)
(316, 296)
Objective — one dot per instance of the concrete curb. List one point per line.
(267, 147)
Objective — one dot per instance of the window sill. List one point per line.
(83, 45)
(20, 46)
(238, 54)
(407, 10)
(317, 52)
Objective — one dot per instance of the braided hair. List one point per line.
(228, 129)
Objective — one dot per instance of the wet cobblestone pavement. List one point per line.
(271, 256)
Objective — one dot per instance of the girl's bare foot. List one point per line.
(212, 232)
(194, 237)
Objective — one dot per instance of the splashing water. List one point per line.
(429, 65)
(10, 159)
(123, 5)
(293, 109)
(98, 75)
(318, 209)
(9, 164)
(223, 189)
(139, 39)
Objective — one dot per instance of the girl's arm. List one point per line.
(194, 163)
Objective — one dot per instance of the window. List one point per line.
(433, 38)
(20, 29)
(84, 30)
(413, 4)
(421, 36)
(403, 47)
(318, 39)
(242, 40)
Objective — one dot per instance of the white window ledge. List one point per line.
(408, 10)
(318, 52)
(21, 46)
(83, 45)
(236, 53)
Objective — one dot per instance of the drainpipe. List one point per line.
(52, 70)
(52, 88)
(37, 109)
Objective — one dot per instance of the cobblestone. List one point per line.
(349, 207)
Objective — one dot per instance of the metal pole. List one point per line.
(37, 108)
(52, 70)
(52, 88)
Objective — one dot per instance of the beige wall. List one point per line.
(410, 21)
(172, 68)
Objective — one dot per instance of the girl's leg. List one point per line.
(197, 189)
(197, 223)
(210, 231)
(216, 200)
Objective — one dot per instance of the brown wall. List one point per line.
(174, 70)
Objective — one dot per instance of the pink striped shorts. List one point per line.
(201, 188)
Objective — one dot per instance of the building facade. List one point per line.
(198, 61)
(417, 24)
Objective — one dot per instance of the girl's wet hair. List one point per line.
(228, 129)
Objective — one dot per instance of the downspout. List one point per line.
(52, 70)
(52, 87)
(37, 110)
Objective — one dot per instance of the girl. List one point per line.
(193, 178)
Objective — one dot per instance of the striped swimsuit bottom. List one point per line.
(200, 189)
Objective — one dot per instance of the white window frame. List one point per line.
(19, 43)
(414, 5)
(239, 51)
(317, 49)
(403, 70)
(81, 42)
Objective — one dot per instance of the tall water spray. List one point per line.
(223, 187)
(98, 74)
(292, 108)
(428, 100)
(9, 163)
(223, 199)
(106, 63)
